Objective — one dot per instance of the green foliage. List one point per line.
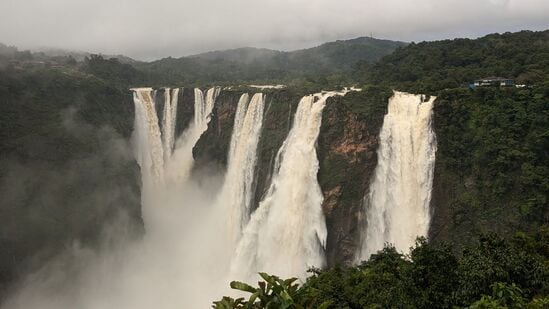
(318, 66)
(66, 168)
(497, 260)
(503, 296)
(273, 292)
(431, 66)
(492, 160)
(113, 71)
(495, 273)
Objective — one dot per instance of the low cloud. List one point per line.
(153, 29)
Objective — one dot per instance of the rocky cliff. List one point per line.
(347, 148)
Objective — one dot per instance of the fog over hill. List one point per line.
(361, 48)
(248, 63)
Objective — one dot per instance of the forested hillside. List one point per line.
(492, 162)
(66, 166)
(252, 64)
(433, 66)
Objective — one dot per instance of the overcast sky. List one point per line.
(150, 29)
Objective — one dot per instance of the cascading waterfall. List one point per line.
(203, 108)
(236, 193)
(397, 207)
(155, 152)
(169, 120)
(180, 166)
(147, 136)
(287, 233)
(153, 145)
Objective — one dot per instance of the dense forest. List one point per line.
(66, 168)
(263, 65)
(492, 162)
(429, 67)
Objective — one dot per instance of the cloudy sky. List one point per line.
(150, 29)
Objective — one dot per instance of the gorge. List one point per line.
(161, 195)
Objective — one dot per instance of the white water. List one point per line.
(149, 151)
(203, 108)
(162, 166)
(263, 87)
(169, 120)
(236, 194)
(180, 166)
(397, 207)
(287, 233)
(181, 249)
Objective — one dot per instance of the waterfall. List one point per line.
(147, 136)
(179, 167)
(203, 109)
(169, 120)
(287, 233)
(160, 163)
(397, 207)
(236, 193)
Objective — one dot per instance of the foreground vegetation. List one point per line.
(494, 273)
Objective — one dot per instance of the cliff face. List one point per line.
(446, 216)
(347, 147)
(213, 146)
(185, 110)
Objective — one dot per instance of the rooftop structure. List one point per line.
(493, 81)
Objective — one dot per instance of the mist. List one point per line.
(149, 30)
(167, 268)
(179, 261)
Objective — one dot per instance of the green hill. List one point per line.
(432, 66)
(254, 64)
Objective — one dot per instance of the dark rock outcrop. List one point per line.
(347, 148)
(213, 146)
